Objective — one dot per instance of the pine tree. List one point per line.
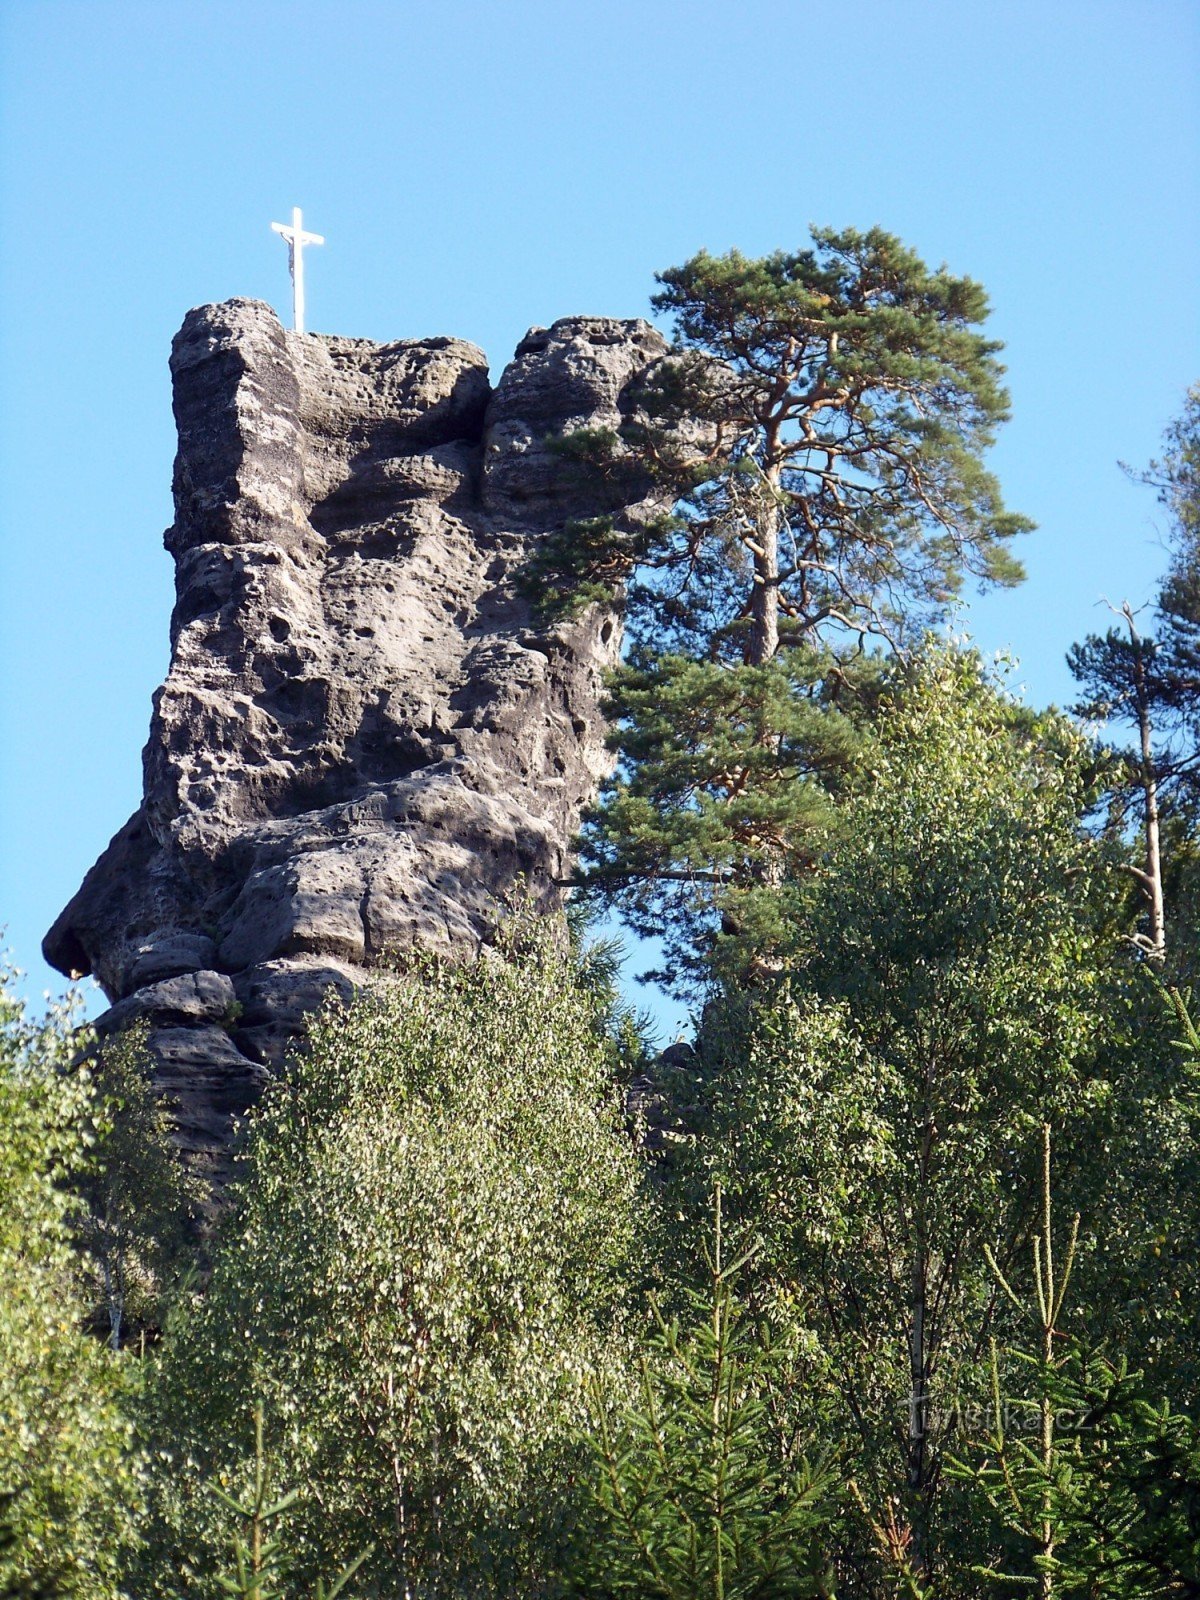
(1176, 479)
(724, 789)
(1021, 1479)
(818, 433)
(1121, 675)
(820, 430)
(257, 1537)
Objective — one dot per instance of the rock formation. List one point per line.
(366, 739)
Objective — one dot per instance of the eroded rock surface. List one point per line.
(365, 740)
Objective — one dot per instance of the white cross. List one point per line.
(296, 240)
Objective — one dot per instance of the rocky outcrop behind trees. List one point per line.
(366, 740)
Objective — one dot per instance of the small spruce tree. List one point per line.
(701, 1492)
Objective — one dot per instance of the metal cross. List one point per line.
(296, 240)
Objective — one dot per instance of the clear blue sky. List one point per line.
(478, 167)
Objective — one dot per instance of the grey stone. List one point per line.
(210, 1087)
(191, 998)
(169, 953)
(366, 740)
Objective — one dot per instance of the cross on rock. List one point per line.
(296, 240)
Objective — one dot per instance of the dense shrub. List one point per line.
(946, 989)
(68, 1477)
(138, 1225)
(427, 1254)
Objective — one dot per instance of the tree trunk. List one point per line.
(115, 1300)
(1045, 1587)
(918, 1366)
(1151, 876)
(764, 606)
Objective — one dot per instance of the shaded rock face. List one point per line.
(365, 740)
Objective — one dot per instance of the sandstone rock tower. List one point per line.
(365, 738)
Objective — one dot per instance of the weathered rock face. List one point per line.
(365, 740)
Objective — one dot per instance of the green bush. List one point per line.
(68, 1476)
(870, 1110)
(427, 1254)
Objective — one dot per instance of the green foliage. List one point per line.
(1105, 666)
(821, 430)
(1100, 1496)
(1140, 1276)
(870, 1111)
(724, 785)
(1023, 1482)
(258, 1550)
(1176, 680)
(959, 881)
(819, 436)
(702, 1489)
(593, 550)
(1150, 681)
(430, 1276)
(1176, 478)
(138, 1229)
(68, 1477)
(1114, 1512)
(430, 1248)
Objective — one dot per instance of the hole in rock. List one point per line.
(201, 601)
(303, 699)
